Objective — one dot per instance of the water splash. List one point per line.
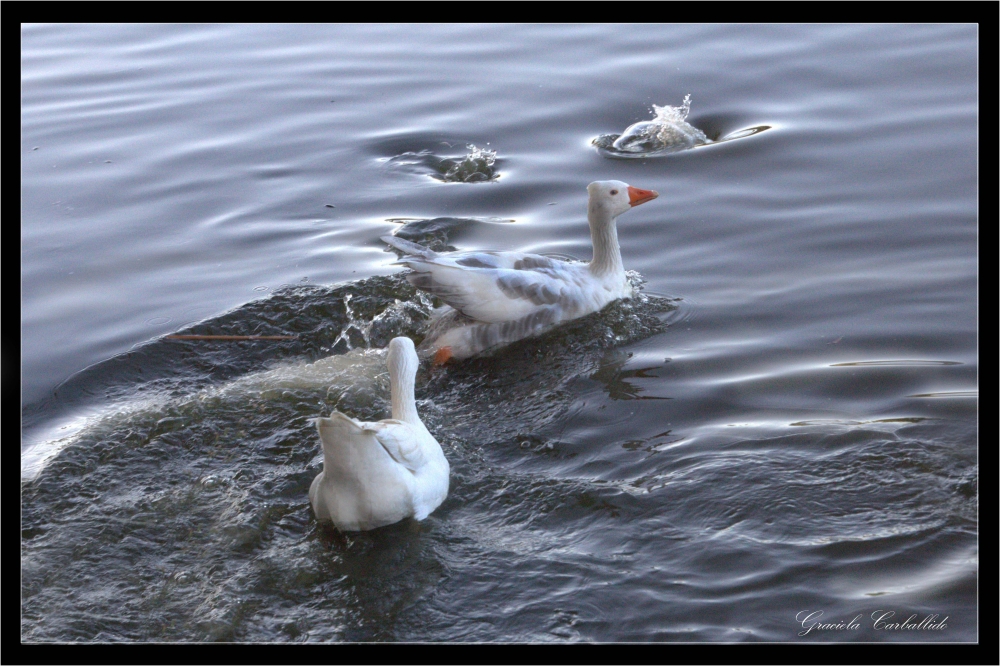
(476, 167)
(479, 165)
(362, 333)
(667, 132)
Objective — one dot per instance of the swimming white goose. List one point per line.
(495, 298)
(376, 474)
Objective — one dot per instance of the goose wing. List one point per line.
(401, 441)
(494, 286)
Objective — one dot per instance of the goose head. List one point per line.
(403, 363)
(610, 198)
(607, 200)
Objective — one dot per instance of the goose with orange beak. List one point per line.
(495, 298)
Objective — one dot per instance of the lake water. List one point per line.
(785, 423)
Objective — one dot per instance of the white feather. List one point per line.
(376, 474)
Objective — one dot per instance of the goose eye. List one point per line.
(613, 192)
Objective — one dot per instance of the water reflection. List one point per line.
(438, 232)
(613, 375)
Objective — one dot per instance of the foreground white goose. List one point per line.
(495, 298)
(376, 474)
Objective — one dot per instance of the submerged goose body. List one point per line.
(376, 474)
(495, 298)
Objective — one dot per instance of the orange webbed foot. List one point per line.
(442, 356)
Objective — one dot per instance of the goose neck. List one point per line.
(607, 253)
(404, 404)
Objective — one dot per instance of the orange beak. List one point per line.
(637, 196)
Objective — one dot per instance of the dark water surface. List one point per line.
(786, 421)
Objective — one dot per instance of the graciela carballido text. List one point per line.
(882, 620)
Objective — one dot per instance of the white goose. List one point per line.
(376, 474)
(495, 298)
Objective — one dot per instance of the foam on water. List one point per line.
(358, 376)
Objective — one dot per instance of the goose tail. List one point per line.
(335, 432)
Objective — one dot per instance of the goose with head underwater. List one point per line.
(376, 474)
(495, 298)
